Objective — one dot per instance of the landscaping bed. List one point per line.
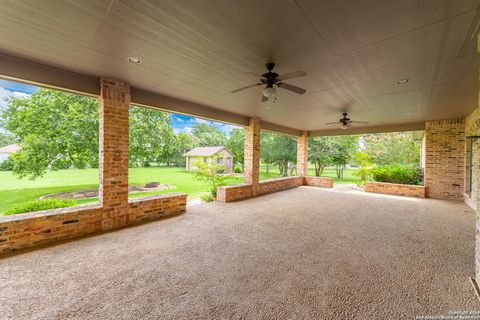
(93, 193)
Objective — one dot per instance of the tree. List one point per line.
(266, 141)
(392, 148)
(184, 143)
(209, 172)
(279, 150)
(364, 163)
(343, 149)
(236, 145)
(151, 137)
(55, 129)
(319, 153)
(208, 136)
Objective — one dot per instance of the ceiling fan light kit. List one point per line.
(273, 80)
(268, 92)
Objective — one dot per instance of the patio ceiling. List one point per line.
(195, 52)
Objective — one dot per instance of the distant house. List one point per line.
(6, 151)
(222, 155)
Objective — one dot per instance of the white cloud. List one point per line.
(187, 130)
(201, 120)
(5, 94)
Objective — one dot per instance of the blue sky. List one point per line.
(181, 123)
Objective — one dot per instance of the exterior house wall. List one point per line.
(4, 156)
(224, 154)
(445, 159)
(472, 178)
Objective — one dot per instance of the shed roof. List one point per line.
(10, 149)
(205, 151)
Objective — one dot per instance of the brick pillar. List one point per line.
(302, 154)
(113, 114)
(252, 154)
(445, 159)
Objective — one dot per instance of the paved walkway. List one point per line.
(306, 253)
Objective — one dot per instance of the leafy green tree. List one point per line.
(55, 129)
(279, 150)
(210, 172)
(235, 144)
(184, 143)
(364, 163)
(208, 136)
(151, 137)
(392, 148)
(343, 149)
(319, 153)
(266, 156)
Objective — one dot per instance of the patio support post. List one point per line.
(113, 113)
(302, 154)
(252, 154)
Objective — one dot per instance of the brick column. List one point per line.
(252, 154)
(302, 154)
(445, 159)
(113, 114)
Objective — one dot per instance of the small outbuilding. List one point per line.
(7, 151)
(207, 154)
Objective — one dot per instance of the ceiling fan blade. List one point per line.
(264, 98)
(360, 122)
(291, 75)
(287, 86)
(330, 123)
(243, 88)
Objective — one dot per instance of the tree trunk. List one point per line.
(285, 168)
(280, 168)
(267, 168)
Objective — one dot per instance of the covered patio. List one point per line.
(306, 253)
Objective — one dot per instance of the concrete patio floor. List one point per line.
(306, 253)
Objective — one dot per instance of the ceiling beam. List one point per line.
(372, 129)
(29, 72)
(170, 104)
(25, 71)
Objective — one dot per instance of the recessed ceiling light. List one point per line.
(134, 60)
(402, 81)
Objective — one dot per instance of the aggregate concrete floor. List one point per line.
(306, 253)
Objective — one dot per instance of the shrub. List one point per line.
(6, 165)
(398, 174)
(38, 205)
(207, 197)
(237, 170)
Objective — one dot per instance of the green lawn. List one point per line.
(14, 191)
(330, 172)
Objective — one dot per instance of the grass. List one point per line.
(330, 172)
(14, 191)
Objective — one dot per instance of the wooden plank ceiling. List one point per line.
(354, 52)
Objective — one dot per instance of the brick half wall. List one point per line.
(244, 190)
(43, 227)
(395, 189)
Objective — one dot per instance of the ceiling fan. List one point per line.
(272, 80)
(345, 122)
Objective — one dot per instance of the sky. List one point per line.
(181, 123)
